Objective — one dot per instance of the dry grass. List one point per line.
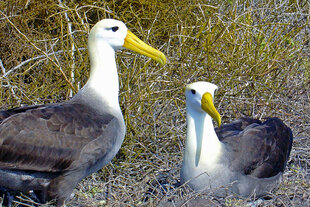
(257, 52)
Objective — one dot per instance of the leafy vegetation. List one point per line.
(257, 52)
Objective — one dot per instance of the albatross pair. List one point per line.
(246, 157)
(50, 148)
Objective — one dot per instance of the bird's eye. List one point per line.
(193, 91)
(114, 29)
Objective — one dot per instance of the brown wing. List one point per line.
(256, 148)
(47, 138)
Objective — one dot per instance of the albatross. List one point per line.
(49, 149)
(246, 157)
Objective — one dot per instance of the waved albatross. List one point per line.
(50, 148)
(247, 157)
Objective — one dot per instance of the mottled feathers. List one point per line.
(60, 133)
(256, 148)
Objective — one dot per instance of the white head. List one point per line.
(199, 97)
(115, 34)
(111, 31)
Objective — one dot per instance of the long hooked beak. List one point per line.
(132, 42)
(208, 106)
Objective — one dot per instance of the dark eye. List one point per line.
(114, 29)
(193, 91)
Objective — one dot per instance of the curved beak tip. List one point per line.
(163, 59)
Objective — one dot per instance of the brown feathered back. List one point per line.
(256, 148)
(50, 148)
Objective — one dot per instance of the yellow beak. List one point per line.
(207, 106)
(132, 42)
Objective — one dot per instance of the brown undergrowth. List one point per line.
(257, 52)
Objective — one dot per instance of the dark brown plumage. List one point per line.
(259, 149)
(65, 144)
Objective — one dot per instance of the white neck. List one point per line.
(102, 86)
(202, 147)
